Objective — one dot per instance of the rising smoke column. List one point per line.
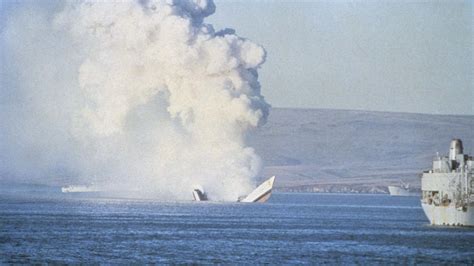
(168, 100)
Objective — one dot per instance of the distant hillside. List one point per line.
(340, 150)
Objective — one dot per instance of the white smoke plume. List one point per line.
(135, 95)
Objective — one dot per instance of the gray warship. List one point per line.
(447, 188)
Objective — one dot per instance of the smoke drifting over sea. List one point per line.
(139, 95)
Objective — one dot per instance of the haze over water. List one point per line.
(290, 228)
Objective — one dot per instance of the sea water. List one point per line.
(289, 229)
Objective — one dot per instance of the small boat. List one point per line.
(79, 189)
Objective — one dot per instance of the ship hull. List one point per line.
(262, 193)
(401, 192)
(449, 215)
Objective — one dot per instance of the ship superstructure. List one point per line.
(447, 188)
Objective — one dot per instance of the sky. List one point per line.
(400, 56)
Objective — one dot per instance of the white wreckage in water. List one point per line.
(261, 194)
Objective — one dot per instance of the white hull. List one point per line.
(262, 193)
(448, 188)
(449, 215)
(399, 191)
(79, 189)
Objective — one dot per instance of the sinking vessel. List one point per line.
(199, 194)
(447, 188)
(261, 194)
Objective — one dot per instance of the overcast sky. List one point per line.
(407, 56)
